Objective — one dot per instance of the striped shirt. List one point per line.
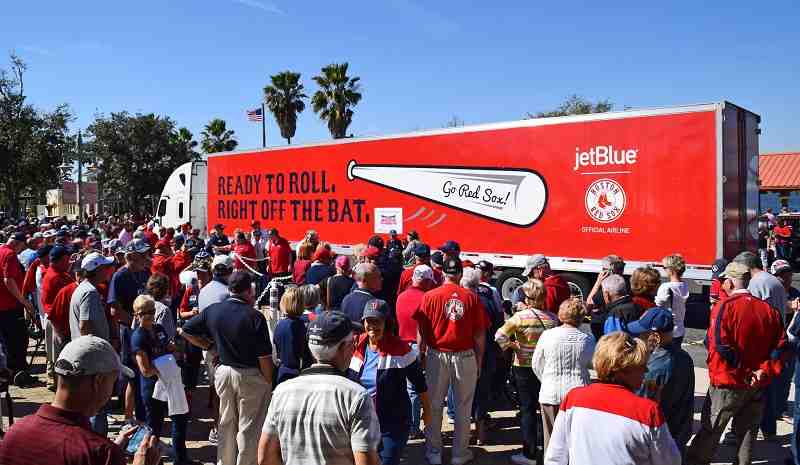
(322, 418)
(526, 327)
(609, 424)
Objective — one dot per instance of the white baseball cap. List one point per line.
(422, 272)
(95, 260)
(222, 260)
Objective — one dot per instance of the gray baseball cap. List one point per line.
(137, 246)
(89, 355)
(534, 261)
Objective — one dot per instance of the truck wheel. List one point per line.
(508, 282)
(579, 285)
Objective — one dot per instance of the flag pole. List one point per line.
(263, 125)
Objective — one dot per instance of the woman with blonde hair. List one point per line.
(561, 361)
(521, 333)
(289, 340)
(305, 252)
(674, 293)
(606, 422)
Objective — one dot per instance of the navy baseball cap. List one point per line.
(437, 258)
(452, 266)
(656, 319)
(19, 237)
(718, 267)
(44, 251)
(329, 328)
(450, 247)
(422, 250)
(375, 308)
(58, 251)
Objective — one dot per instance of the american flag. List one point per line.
(255, 115)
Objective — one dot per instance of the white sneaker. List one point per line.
(468, 457)
(213, 437)
(520, 459)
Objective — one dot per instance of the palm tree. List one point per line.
(338, 93)
(285, 100)
(185, 140)
(217, 137)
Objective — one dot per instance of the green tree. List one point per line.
(337, 95)
(31, 142)
(575, 105)
(135, 154)
(285, 100)
(217, 137)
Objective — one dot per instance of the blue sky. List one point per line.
(420, 62)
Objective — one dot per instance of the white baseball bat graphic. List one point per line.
(511, 196)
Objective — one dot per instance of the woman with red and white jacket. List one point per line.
(383, 363)
(606, 422)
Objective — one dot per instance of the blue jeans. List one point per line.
(451, 405)
(156, 411)
(416, 404)
(392, 446)
(528, 386)
(772, 394)
(483, 388)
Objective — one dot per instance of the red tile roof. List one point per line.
(779, 170)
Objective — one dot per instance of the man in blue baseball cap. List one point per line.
(670, 372)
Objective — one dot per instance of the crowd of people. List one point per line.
(314, 357)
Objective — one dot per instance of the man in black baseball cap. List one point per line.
(452, 326)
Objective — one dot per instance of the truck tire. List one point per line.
(508, 282)
(579, 285)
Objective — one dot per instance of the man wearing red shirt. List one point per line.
(538, 266)
(280, 255)
(745, 347)
(243, 248)
(452, 327)
(55, 278)
(422, 256)
(13, 306)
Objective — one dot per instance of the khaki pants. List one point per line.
(549, 413)
(243, 400)
(444, 369)
(743, 406)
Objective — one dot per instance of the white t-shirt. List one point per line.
(673, 295)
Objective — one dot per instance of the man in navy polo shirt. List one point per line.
(369, 281)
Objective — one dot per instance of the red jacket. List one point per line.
(29, 282)
(557, 292)
(245, 250)
(745, 334)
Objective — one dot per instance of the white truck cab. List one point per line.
(184, 198)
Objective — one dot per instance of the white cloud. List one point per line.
(263, 6)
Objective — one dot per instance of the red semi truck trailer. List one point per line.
(641, 184)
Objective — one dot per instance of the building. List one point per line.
(779, 181)
(63, 202)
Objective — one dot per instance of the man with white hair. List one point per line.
(322, 416)
(368, 281)
(408, 303)
(621, 307)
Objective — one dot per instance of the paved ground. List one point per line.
(505, 438)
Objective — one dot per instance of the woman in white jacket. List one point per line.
(561, 361)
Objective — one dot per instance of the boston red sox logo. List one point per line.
(605, 200)
(454, 309)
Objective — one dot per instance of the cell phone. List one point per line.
(142, 432)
